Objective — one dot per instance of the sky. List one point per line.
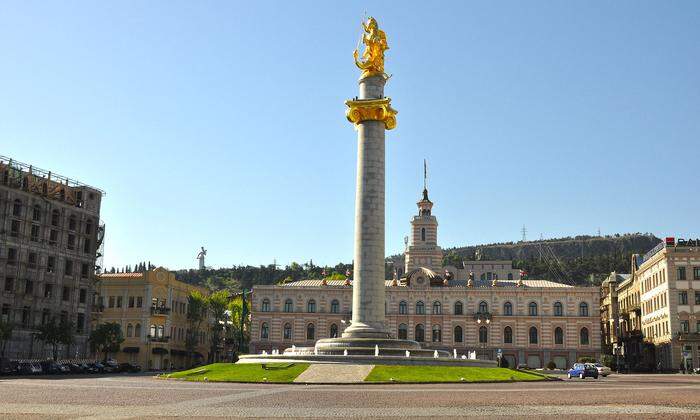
(221, 124)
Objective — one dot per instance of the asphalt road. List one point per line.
(135, 396)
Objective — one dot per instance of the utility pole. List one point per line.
(524, 233)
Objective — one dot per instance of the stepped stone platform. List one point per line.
(336, 373)
(364, 360)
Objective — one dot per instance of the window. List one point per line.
(508, 335)
(685, 326)
(132, 301)
(9, 284)
(683, 298)
(459, 308)
(458, 335)
(17, 208)
(483, 335)
(82, 296)
(422, 234)
(403, 308)
(139, 301)
(129, 330)
(696, 273)
(72, 223)
(111, 302)
(265, 307)
(532, 309)
(680, 273)
(558, 309)
(437, 308)
(584, 336)
(311, 306)
(5, 317)
(48, 290)
(68, 268)
(264, 331)
(420, 308)
(510, 276)
(31, 260)
(53, 237)
(88, 227)
(583, 309)
(26, 315)
(288, 305)
(508, 308)
(403, 332)
(84, 269)
(137, 330)
(87, 246)
(420, 333)
(161, 331)
(14, 228)
(697, 297)
(437, 334)
(119, 301)
(697, 327)
(287, 331)
(28, 287)
(483, 307)
(66, 293)
(533, 335)
(34, 233)
(335, 306)
(558, 336)
(55, 218)
(50, 264)
(11, 256)
(333, 333)
(310, 331)
(36, 213)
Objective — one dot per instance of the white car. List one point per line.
(602, 369)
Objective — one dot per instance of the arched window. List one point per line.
(483, 307)
(334, 331)
(55, 218)
(437, 334)
(510, 276)
(437, 308)
(584, 336)
(154, 331)
(264, 331)
(335, 306)
(507, 308)
(420, 333)
(36, 213)
(459, 308)
(288, 305)
(558, 309)
(532, 309)
(420, 308)
(403, 332)
(72, 222)
(483, 335)
(311, 306)
(17, 208)
(458, 336)
(310, 331)
(508, 335)
(422, 234)
(403, 308)
(129, 330)
(583, 309)
(137, 330)
(533, 335)
(265, 307)
(161, 331)
(558, 336)
(287, 331)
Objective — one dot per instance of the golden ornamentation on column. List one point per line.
(372, 63)
(371, 110)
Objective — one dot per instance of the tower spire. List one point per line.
(425, 180)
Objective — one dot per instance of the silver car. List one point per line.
(602, 369)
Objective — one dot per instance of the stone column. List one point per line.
(368, 278)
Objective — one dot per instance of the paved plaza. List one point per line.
(134, 396)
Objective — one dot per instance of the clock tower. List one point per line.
(423, 250)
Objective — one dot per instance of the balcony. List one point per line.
(159, 310)
(688, 336)
(153, 339)
(480, 317)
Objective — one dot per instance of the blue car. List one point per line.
(583, 371)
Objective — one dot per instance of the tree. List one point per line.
(239, 323)
(5, 335)
(53, 334)
(106, 338)
(218, 305)
(196, 313)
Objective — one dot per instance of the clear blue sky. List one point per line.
(221, 123)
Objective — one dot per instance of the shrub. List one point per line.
(586, 359)
(551, 365)
(608, 360)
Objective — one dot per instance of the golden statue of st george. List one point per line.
(372, 63)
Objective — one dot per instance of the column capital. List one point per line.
(360, 110)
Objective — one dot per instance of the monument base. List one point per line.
(351, 346)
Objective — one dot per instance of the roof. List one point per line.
(120, 275)
(452, 283)
(319, 283)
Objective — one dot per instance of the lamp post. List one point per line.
(487, 321)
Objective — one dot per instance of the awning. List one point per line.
(159, 350)
(131, 349)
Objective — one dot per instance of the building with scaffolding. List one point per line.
(51, 242)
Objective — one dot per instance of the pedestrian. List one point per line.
(682, 369)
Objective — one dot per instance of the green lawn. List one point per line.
(229, 372)
(447, 374)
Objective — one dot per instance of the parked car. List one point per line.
(76, 368)
(602, 369)
(130, 368)
(8, 367)
(582, 371)
(111, 366)
(64, 368)
(49, 367)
